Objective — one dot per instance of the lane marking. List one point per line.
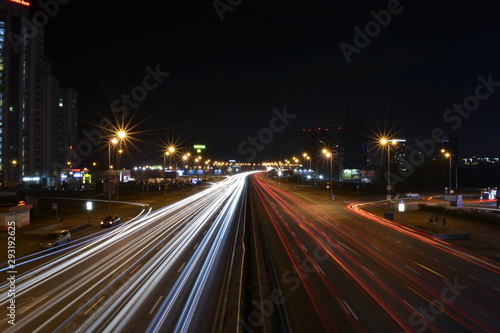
(367, 270)
(94, 305)
(345, 308)
(180, 269)
(414, 271)
(156, 304)
(32, 305)
(411, 306)
(430, 270)
(136, 268)
(475, 278)
(350, 310)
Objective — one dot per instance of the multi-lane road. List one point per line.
(162, 271)
(247, 255)
(341, 270)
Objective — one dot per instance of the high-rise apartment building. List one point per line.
(37, 117)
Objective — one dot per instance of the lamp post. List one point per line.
(448, 155)
(113, 141)
(296, 162)
(185, 161)
(329, 155)
(171, 151)
(385, 142)
(118, 177)
(307, 157)
(120, 136)
(164, 173)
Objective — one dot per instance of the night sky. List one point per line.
(226, 76)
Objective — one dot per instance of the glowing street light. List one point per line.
(385, 142)
(448, 156)
(307, 157)
(121, 135)
(112, 142)
(329, 155)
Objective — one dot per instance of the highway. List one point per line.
(249, 255)
(342, 270)
(159, 272)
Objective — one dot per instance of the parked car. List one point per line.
(110, 221)
(412, 194)
(56, 238)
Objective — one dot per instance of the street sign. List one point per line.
(54, 206)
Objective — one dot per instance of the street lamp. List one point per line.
(112, 142)
(307, 157)
(164, 172)
(329, 155)
(448, 156)
(171, 151)
(120, 136)
(385, 142)
(185, 160)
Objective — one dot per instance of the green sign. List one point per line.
(199, 146)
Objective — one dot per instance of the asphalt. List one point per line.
(72, 215)
(484, 238)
